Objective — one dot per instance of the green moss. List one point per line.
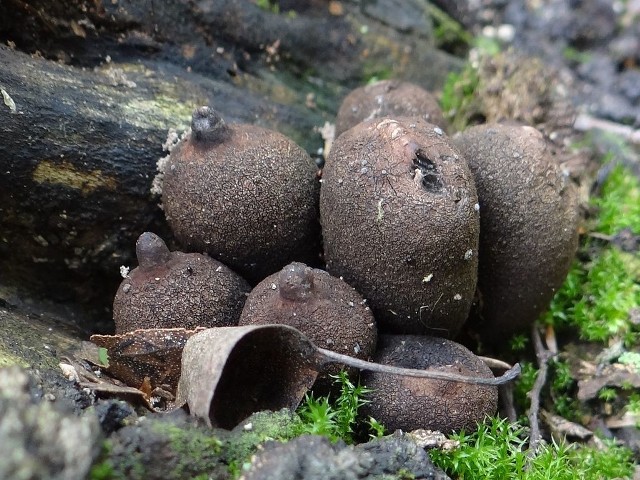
(598, 294)
(102, 471)
(373, 72)
(279, 426)
(336, 419)
(198, 450)
(619, 202)
(631, 358)
(268, 5)
(498, 449)
(450, 35)
(103, 468)
(597, 297)
(458, 100)
(562, 391)
(575, 55)
(524, 383)
(184, 452)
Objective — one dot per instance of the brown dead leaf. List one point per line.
(78, 371)
(230, 372)
(625, 420)
(561, 428)
(152, 354)
(616, 375)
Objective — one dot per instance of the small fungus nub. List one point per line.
(296, 282)
(207, 125)
(151, 250)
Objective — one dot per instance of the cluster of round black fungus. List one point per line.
(408, 403)
(400, 223)
(327, 310)
(440, 235)
(246, 195)
(177, 290)
(528, 226)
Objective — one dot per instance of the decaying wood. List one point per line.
(85, 115)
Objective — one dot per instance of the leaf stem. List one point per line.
(328, 356)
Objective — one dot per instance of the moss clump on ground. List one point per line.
(157, 448)
(459, 101)
(599, 294)
(335, 418)
(198, 451)
(619, 202)
(498, 450)
(450, 35)
(261, 427)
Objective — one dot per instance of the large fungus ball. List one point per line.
(388, 98)
(528, 226)
(410, 403)
(327, 310)
(246, 195)
(400, 223)
(177, 290)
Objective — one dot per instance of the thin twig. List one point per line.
(585, 123)
(543, 355)
(328, 356)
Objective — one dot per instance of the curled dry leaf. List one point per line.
(78, 370)
(615, 375)
(230, 372)
(147, 358)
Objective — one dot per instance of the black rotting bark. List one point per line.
(86, 114)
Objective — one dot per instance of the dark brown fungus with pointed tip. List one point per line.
(327, 310)
(400, 222)
(528, 226)
(388, 98)
(246, 195)
(151, 251)
(409, 403)
(295, 282)
(177, 290)
(208, 126)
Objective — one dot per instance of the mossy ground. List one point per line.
(498, 450)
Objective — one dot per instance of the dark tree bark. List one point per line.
(94, 105)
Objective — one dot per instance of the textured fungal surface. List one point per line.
(529, 225)
(177, 290)
(246, 195)
(388, 98)
(400, 223)
(410, 403)
(330, 312)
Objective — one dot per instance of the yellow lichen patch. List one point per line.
(66, 174)
(7, 360)
(159, 112)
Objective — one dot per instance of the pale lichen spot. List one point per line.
(67, 175)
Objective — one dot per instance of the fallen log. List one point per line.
(85, 116)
